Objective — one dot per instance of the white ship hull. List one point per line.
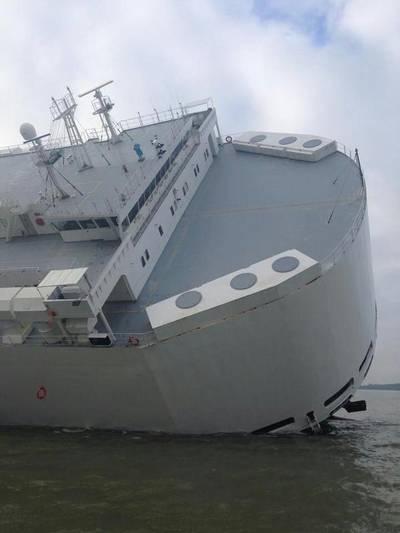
(273, 363)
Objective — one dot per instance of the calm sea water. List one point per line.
(347, 481)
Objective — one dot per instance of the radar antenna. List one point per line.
(46, 159)
(64, 109)
(102, 106)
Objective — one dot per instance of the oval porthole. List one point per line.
(288, 140)
(243, 281)
(188, 299)
(285, 264)
(312, 143)
(258, 138)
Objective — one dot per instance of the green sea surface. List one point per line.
(345, 481)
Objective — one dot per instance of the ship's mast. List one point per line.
(102, 106)
(47, 159)
(64, 109)
(43, 160)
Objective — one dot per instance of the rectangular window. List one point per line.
(161, 230)
(143, 261)
(147, 255)
(195, 171)
(198, 168)
(87, 224)
(133, 212)
(184, 191)
(175, 204)
(102, 222)
(186, 185)
(142, 200)
(66, 225)
(114, 220)
(172, 210)
(125, 223)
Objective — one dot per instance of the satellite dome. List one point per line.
(27, 131)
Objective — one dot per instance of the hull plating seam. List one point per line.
(276, 425)
(339, 392)
(366, 356)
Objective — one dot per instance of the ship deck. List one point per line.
(25, 261)
(248, 208)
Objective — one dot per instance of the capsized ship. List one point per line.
(156, 276)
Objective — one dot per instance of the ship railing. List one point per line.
(135, 339)
(350, 236)
(13, 149)
(122, 125)
(53, 143)
(333, 257)
(350, 152)
(164, 116)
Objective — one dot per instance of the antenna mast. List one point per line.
(44, 160)
(64, 109)
(102, 106)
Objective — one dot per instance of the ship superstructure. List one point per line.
(155, 276)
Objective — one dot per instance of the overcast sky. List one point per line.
(328, 67)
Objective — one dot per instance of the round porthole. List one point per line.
(258, 138)
(285, 264)
(188, 299)
(243, 281)
(288, 140)
(312, 143)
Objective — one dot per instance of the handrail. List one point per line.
(162, 116)
(134, 339)
(351, 234)
(125, 124)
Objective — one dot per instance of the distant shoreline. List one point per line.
(386, 386)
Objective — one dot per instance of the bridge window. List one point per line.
(66, 225)
(133, 212)
(102, 222)
(87, 224)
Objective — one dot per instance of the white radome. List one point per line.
(27, 131)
